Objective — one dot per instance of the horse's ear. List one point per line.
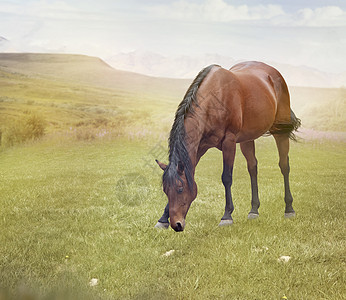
(180, 168)
(161, 165)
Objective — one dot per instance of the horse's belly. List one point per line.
(248, 136)
(258, 118)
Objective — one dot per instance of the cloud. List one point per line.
(321, 17)
(219, 11)
(52, 10)
(296, 34)
(215, 11)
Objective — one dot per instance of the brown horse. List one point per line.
(221, 108)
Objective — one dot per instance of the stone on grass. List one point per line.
(168, 253)
(93, 282)
(284, 258)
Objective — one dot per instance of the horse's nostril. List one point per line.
(178, 227)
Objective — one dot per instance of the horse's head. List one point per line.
(180, 194)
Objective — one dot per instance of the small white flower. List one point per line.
(94, 282)
(284, 258)
(168, 253)
(260, 249)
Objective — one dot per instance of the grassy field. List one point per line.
(76, 211)
(78, 206)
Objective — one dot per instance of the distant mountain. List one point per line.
(310, 77)
(3, 40)
(188, 67)
(157, 65)
(4, 43)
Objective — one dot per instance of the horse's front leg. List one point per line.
(228, 153)
(163, 221)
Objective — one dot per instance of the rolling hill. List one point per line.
(72, 91)
(83, 95)
(85, 70)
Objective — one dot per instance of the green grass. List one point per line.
(69, 104)
(75, 211)
(81, 203)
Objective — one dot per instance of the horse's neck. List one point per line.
(194, 134)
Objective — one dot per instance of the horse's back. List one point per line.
(244, 102)
(254, 68)
(257, 76)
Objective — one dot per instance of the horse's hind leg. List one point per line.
(282, 142)
(248, 150)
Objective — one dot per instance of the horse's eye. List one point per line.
(180, 190)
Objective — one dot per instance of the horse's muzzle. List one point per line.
(178, 226)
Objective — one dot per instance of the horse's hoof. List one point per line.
(226, 223)
(160, 225)
(290, 215)
(252, 216)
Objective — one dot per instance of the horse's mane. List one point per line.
(178, 153)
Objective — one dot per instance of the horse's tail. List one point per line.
(281, 92)
(287, 128)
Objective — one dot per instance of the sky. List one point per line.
(297, 32)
